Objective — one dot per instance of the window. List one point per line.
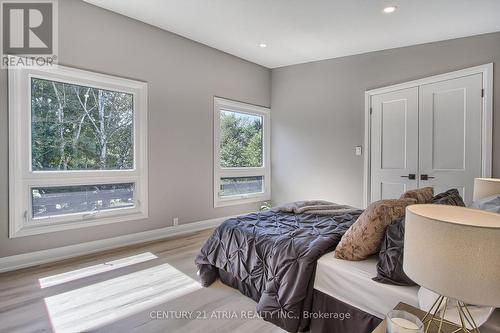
(242, 170)
(78, 149)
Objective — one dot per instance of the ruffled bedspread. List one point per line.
(272, 257)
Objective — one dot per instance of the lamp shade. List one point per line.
(485, 187)
(454, 251)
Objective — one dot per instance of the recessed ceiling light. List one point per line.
(390, 9)
(263, 45)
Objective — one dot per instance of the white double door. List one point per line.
(429, 135)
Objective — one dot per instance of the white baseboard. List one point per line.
(45, 256)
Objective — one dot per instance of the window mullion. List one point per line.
(242, 172)
(89, 175)
(79, 180)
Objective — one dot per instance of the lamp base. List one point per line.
(432, 318)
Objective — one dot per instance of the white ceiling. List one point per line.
(298, 31)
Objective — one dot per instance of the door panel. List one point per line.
(393, 114)
(448, 129)
(450, 134)
(391, 191)
(394, 143)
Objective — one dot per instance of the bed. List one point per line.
(346, 287)
(271, 257)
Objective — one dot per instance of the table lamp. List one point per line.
(485, 187)
(455, 252)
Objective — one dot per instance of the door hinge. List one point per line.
(371, 111)
(482, 92)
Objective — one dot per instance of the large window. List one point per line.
(78, 149)
(242, 168)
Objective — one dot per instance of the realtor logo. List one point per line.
(29, 31)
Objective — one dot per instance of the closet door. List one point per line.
(394, 143)
(450, 134)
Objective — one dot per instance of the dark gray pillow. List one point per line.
(390, 263)
(451, 197)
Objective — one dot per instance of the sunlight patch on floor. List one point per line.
(57, 279)
(105, 302)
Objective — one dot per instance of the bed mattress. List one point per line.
(351, 282)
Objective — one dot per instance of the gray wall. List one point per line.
(318, 113)
(183, 77)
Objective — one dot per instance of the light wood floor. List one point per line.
(125, 290)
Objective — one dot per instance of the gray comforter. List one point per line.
(271, 256)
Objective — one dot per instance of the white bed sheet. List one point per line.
(351, 282)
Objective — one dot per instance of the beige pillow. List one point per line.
(422, 195)
(364, 237)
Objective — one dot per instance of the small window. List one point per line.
(230, 186)
(77, 149)
(242, 159)
(63, 200)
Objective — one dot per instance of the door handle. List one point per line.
(426, 177)
(410, 176)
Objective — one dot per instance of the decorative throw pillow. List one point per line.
(364, 237)
(390, 257)
(490, 204)
(422, 195)
(451, 197)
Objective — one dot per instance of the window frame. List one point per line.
(22, 177)
(222, 104)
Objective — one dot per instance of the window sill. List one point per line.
(30, 230)
(241, 201)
